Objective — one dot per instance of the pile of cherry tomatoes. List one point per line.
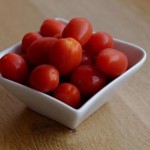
(65, 60)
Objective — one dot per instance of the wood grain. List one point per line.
(121, 124)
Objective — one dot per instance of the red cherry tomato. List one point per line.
(88, 80)
(86, 58)
(65, 55)
(13, 67)
(68, 94)
(98, 42)
(28, 39)
(79, 29)
(44, 78)
(112, 62)
(38, 51)
(51, 27)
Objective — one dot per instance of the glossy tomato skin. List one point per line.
(51, 27)
(28, 39)
(13, 67)
(112, 62)
(38, 51)
(44, 78)
(69, 94)
(65, 55)
(79, 29)
(86, 58)
(88, 80)
(58, 36)
(98, 42)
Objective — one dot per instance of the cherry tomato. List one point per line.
(28, 39)
(88, 80)
(68, 94)
(112, 62)
(98, 42)
(65, 55)
(13, 67)
(51, 27)
(44, 78)
(86, 58)
(38, 51)
(79, 29)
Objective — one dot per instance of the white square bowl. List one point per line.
(61, 112)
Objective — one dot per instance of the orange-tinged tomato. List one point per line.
(65, 55)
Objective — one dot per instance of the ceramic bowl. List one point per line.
(61, 112)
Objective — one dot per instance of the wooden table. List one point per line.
(121, 124)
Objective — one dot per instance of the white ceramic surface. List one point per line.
(62, 113)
